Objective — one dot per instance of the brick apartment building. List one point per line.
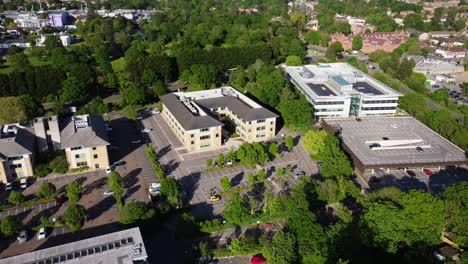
(386, 41)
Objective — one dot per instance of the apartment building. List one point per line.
(386, 41)
(341, 90)
(346, 41)
(16, 152)
(451, 53)
(201, 120)
(84, 139)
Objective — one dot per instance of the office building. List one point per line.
(203, 120)
(341, 90)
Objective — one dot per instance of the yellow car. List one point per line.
(215, 198)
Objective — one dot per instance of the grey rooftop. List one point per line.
(16, 144)
(398, 138)
(86, 130)
(123, 247)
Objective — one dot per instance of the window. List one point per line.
(271, 123)
(261, 121)
(79, 156)
(193, 142)
(95, 156)
(261, 135)
(261, 128)
(94, 148)
(217, 135)
(191, 135)
(204, 137)
(15, 166)
(81, 164)
(204, 129)
(15, 158)
(20, 174)
(96, 166)
(75, 148)
(205, 145)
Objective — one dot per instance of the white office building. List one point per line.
(341, 90)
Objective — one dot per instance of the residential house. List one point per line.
(451, 53)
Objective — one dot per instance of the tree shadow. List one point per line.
(202, 211)
(35, 221)
(124, 131)
(446, 177)
(237, 179)
(189, 184)
(130, 191)
(63, 189)
(99, 183)
(163, 151)
(131, 178)
(98, 209)
(171, 166)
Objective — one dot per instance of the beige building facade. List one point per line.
(198, 118)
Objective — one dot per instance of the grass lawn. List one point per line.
(118, 65)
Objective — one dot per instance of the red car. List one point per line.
(427, 172)
(58, 201)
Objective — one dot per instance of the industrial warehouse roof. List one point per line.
(392, 141)
(123, 247)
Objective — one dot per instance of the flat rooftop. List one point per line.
(123, 247)
(338, 80)
(380, 141)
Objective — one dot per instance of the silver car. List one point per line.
(23, 236)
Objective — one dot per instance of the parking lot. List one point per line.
(405, 181)
(191, 170)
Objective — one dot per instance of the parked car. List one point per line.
(428, 172)
(108, 192)
(22, 237)
(24, 183)
(119, 163)
(58, 201)
(375, 145)
(215, 197)
(154, 188)
(146, 130)
(411, 173)
(109, 169)
(299, 174)
(41, 234)
(419, 149)
(8, 186)
(154, 112)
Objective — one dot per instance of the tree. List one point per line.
(273, 149)
(293, 61)
(296, 113)
(32, 106)
(456, 211)
(10, 226)
(281, 249)
(313, 37)
(334, 162)
(261, 175)
(414, 219)
(220, 159)
(19, 61)
(329, 191)
(115, 183)
(12, 110)
(225, 183)
(135, 95)
(171, 191)
(333, 49)
(235, 210)
(52, 42)
(46, 190)
(74, 90)
(280, 172)
(251, 178)
(209, 163)
(289, 142)
(74, 216)
(135, 212)
(357, 43)
(314, 141)
(231, 156)
(15, 197)
(59, 164)
(74, 191)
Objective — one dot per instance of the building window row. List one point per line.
(328, 110)
(379, 108)
(204, 129)
(15, 158)
(204, 137)
(261, 128)
(76, 148)
(329, 103)
(260, 136)
(15, 166)
(380, 102)
(79, 156)
(81, 164)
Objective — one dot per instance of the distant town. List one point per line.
(308, 131)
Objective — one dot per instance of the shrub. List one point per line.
(15, 198)
(74, 216)
(46, 190)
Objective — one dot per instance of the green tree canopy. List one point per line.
(10, 226)
(15, 197)
(74, 191)
(73, 90)
(402, 220)
(293, 61)
(115, 182)
(46, 190)
(455, 198)
(74, 216)
(314, 141)
(135, 212)
(12, 110)
(235, 210)
(171, 191)
(357, 43)
(335, 162)
(281, 249)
